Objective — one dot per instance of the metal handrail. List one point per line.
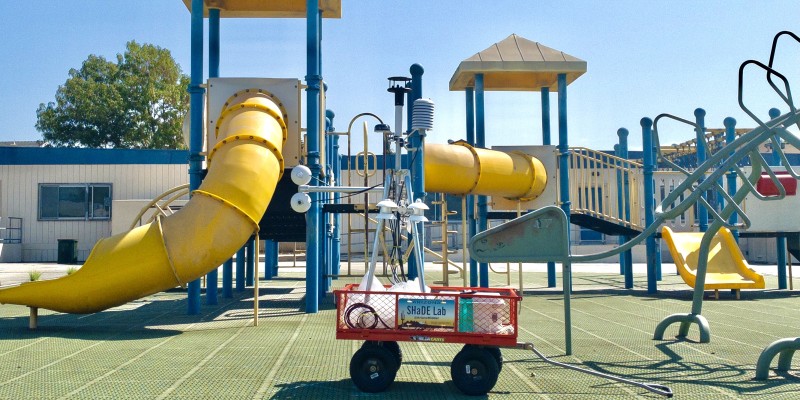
(179, 191)
(12, 228)
(593, 176)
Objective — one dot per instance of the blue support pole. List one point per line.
(649, 201)
(563, 169)
(250, 261)
(730, 136)
(227, 279)
(620, 204)
(213, 72)
(700, 133)
(326, 251)
(626, 257)
(551, 266)
(781, 249)
(480, 141)
(417, 142)
(313, 217)
(274, 259)
(240, 267)
(472, 226)
(196, 93)
(269, 269)
(336, 248)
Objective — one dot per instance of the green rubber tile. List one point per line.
(151, 348)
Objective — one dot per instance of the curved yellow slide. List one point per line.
(727, 268)
(222, 214)
(461, 169)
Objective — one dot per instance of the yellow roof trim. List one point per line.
(267, 9)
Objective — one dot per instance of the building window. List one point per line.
(74, 201)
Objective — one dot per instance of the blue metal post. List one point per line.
(313, 217)
(563, 169)
(251, 260)
(480, 141)
(227, 279)
(700, 133)
(649, 201)
(626, 258)
(551, 266)
(620, 204)
(730, 136)
(326, 251)
(471, 222)
(781, 249)
(240, 261)
(417, 142)
(268, 267)
(196, 126)
(336, 248)
(274, 261)
(213, 72)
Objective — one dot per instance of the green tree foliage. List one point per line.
(138, 102)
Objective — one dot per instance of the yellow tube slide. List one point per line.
(462, 169)
(223, 213)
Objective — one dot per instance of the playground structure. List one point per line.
(251, 123)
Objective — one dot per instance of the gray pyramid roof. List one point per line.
(517, 64)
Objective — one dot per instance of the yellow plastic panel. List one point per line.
(462, 169)
(727, 268)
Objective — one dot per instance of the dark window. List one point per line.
(74, 201)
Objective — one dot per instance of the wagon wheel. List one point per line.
(498, 356)
(391, 346)
(493, 350)
(474, 370)
(373, 368)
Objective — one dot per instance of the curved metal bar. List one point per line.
(783, 347)
(657, 142)
(770, 70)
(794, 141)
(364, 114)
(155, 201)
(686, 320)
(771, 64)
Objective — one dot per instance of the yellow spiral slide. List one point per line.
(222, 214)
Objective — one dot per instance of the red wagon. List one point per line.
(482, 319)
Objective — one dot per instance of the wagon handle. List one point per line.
(652, 387)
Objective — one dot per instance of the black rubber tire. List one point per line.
(474, 371)
(493, 350)
(391, 346)
(498, 356)
(373, 368)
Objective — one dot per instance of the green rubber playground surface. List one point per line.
(150, 349)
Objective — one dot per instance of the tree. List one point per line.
(138, 102)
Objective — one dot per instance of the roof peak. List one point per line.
(517, 63)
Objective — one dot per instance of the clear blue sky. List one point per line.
(644, 57)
